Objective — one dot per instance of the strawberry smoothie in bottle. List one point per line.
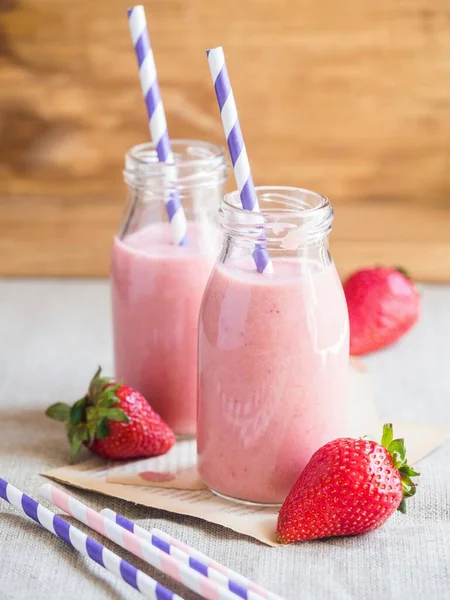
(273, 348)
(157, 285)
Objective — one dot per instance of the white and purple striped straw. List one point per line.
(194, 580)
(236, 146)
(84, 544)
(238, 584)
(156, 116)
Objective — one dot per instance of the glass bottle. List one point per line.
(157, 286)
(273, 347)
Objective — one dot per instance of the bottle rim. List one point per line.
(287, 216)
(196, 163)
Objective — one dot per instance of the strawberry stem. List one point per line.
(404, 272)
(388, 434)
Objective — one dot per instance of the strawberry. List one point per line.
(383, 303)
(349, 486)
(114, 421)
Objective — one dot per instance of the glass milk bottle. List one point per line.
(157, 285)
(273, 347)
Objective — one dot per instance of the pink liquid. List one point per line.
(273, 369)
(157, 289)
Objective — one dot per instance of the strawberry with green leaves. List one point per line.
(349, 486)
(114, 421)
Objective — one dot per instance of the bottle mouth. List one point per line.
(195, 164)
(288, 217)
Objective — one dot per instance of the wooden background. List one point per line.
(352, 100)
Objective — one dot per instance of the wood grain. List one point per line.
(73, 239)
(354, 103)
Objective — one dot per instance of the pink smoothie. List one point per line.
(272, 381)
(157, 289)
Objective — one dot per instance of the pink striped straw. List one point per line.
(156, 116)
(84, 544)
(195, 581)
(236, 146)
(238, 584)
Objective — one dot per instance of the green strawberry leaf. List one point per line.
(407, 470)
(77, 437)
(91, 413)
(97, 386)
(113, 388)
(409, 488)
(77, 412)
(102, 412)
(117, 414)
(91, 427)
(107, 397)
(93, 386)
(398, 452)
(402, 506)
(75, 446)
(102, 430)
(388, 435)
(59, 411)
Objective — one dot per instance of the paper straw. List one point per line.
(141, 548)
(238, 584)
(84, 544)
(236, 146)
(156, 117)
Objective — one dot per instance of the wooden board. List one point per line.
(354, 103)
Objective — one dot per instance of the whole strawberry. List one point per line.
(383, 303)
(349, 486)
(114, 421)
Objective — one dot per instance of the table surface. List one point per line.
(53, 334)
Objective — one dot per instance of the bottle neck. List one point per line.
(291, 223)
(195, 165)
(196, 175)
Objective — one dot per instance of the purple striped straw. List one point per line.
(84, 544)
(236, 146)
(157, 117)
(236, 583)
(194, 580)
